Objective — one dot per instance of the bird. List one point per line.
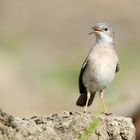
(99, 67)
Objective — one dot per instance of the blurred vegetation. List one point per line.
(90, 129)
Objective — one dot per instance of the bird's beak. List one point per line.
(95, 29)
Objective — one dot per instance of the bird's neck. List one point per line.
(106, 40)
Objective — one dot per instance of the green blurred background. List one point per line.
(43, 44)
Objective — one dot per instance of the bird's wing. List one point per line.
(82, 88)
(117, 67)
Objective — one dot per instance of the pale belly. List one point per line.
(100, 72)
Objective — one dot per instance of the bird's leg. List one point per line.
(101, 94)
(88, 96)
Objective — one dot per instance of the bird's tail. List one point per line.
(83, 98)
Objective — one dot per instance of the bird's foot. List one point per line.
(107, 113)
(85, 111)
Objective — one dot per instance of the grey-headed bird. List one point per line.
(99, 67)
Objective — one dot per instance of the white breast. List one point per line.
(101, 68)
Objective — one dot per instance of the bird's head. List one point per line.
(103, 32)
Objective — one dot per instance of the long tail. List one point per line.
(83, 98)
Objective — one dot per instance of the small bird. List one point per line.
(99, 67)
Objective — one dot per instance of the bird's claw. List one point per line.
(106, 113)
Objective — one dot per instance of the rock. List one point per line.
(66, 126)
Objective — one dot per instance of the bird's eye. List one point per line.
(106, 29)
